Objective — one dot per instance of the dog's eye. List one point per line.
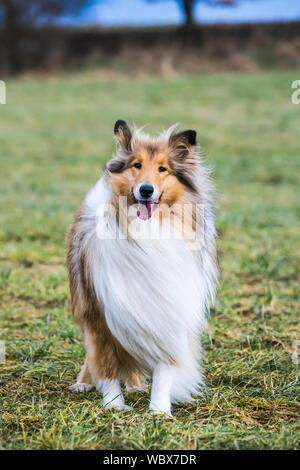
(138, 165)
(161, 169)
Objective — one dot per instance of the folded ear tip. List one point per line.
(119, 123)
(192, 136)
(189, 136)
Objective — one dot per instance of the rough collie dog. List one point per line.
(143, 269)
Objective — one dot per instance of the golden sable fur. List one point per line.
(171, 166)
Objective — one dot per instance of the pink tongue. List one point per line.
(145, 210)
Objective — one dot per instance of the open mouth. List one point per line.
(145, 207)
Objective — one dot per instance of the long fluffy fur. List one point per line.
(154, 293)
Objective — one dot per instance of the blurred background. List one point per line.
(222, 67)
(149, 36)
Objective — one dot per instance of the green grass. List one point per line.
(55, 134)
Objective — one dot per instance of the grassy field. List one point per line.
(55, 134)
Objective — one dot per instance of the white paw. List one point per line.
(156, 411)
(80, 387)
(123, 407)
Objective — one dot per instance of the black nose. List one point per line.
(146, 190)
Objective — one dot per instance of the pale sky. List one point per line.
(143, 12)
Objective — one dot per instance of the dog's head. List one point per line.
(152, 171)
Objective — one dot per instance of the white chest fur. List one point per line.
(153, 290)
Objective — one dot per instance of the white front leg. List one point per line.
(112, 394)
(162, 380)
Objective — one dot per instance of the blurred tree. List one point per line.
(188, 11)
(188, 8)
(17, 15)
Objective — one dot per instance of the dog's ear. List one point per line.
(123, 158)
(183, 157)
(183, 142)
(123, 135)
